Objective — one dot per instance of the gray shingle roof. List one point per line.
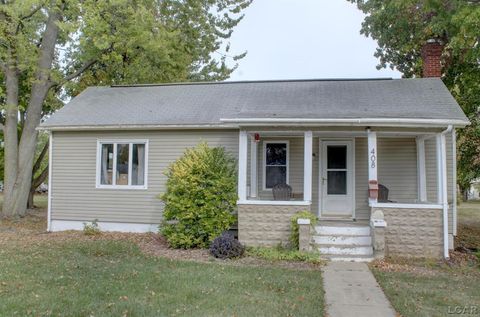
(208, 103)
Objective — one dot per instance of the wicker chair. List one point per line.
(282, 192)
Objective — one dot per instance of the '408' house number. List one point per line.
(373, 158)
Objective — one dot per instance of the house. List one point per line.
(335, 142)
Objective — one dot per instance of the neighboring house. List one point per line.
(330, 140)
(474, 191)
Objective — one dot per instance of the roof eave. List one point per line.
(378, 122)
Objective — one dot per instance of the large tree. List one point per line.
(402, 27)
(52, 49)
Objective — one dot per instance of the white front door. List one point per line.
(336, 179)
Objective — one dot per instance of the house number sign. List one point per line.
(373, 159)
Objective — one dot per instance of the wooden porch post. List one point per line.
(372, 160)
(307, 166)
(242, 165)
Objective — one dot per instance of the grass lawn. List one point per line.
(70, 274)
(430, 288)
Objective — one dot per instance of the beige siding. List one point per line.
(397, 168)
(431, 170)
(74, 196)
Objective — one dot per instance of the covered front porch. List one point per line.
(345, 174)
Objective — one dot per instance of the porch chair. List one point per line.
(282, 192)
(383, 194)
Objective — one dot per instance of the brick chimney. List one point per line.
(431, 56)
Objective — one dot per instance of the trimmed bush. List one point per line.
(91, 229)
(294, 225)
(226, 247)
(201, 197)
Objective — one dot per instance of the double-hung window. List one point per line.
(276, 163)
(122, 164)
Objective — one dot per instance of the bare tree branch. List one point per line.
(40, 158)
(77, 73)
(31, 13)
(40, 179)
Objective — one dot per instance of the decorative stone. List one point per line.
(304, 235)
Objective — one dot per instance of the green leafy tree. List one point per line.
(200, 198)
(51, 50)
(402, 27)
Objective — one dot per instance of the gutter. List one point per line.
(237, 123)
(138, 127)
(391, 122)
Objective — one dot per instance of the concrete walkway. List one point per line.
(351, 290)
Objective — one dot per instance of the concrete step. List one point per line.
(342, 240)
(348, 258)
(329, 230)
(345, 249)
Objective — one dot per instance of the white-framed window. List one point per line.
(275, 163)
(122, 164)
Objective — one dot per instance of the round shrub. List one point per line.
(226, 247)
(200, 198)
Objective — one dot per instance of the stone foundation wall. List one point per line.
(413, 232)
(265, 225)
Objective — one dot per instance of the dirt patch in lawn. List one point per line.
(30, 230)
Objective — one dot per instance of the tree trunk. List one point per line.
(18, 196)
(30, 204)
(35, 183)
(11, 141)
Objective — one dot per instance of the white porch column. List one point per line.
(372, 159)
(442, 186)
(242, 165)
(307, 166)
(421, 171)
(253, 168)
(438, 147)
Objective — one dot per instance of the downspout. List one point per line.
(454, 180)
(50, 166)
(446, 254)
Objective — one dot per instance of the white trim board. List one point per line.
(393, 122)
(275, 202)
(63, 225)
(406, 206)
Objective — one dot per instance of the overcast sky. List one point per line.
(291, 39)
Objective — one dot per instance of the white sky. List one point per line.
(291, 39)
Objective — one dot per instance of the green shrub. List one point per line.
(294, 225)
(282, 254)
(200, 198)
(91, 229)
